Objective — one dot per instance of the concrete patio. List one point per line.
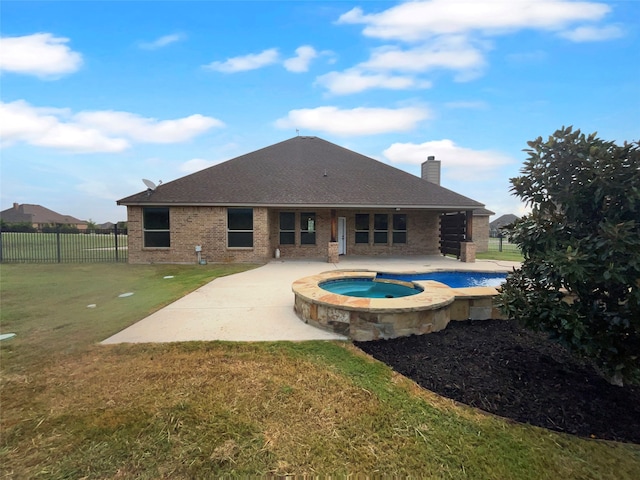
(257, 305)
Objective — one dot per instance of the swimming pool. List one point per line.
(365, 318)
(453, 279)
(371, 288)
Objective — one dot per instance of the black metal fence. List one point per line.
(63, 246)
(501, 244)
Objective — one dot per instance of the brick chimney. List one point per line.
(16, 206)
(431, 170)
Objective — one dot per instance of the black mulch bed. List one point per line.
(504, 369)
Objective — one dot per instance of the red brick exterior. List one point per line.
(207, 227)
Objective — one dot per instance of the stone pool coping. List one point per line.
(373, 318)
(434, 295)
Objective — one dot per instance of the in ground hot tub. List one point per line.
(370, 287)
(363, 307)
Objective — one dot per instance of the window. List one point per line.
(307, 228)
(156, 227)
(362, 228)
(287, 228)
(399, 228)
(380, 228)
(240, 227)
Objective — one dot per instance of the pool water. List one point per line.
(367, 288)
(452, 279)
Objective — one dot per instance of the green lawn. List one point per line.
(74, 409)
(62, 247)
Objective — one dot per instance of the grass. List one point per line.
(72, 408)
(61, 248)
(495, 255)
(510, 252)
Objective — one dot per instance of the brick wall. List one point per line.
(422, 235)
(204, 226)
(481, 233)
(207, 227)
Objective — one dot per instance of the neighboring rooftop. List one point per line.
(37, 214)
(502, 221)
(303, 172)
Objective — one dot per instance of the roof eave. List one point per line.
(306, 205)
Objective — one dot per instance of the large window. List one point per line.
(155, 222)
(240, 227)
(307, 228)
(362, 228)
(381, 228)
(287, 228)
(399, 228)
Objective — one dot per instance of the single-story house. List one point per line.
(301, 198)
(39, 217)
(500, 222)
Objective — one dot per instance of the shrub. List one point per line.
(580, 279)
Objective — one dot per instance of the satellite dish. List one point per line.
(149, 184)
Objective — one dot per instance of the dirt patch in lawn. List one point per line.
(504, 369)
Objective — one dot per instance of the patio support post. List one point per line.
(334, 225)
(332, 247)
(468, 248)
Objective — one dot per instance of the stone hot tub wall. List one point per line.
(364, 319)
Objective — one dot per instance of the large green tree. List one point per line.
(580, 279)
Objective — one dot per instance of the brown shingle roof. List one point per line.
(299, 172)
(36, 214)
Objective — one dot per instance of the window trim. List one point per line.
(146, 230)
(304, 219)
(362, 231)
(378, 231)
(229, 230)
(281, 230)
(394, 230)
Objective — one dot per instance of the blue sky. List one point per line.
(97, 96)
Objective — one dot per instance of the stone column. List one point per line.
(333, 256)
(467, 252)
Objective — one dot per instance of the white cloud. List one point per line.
(300, 63)
(20, 122)
(453, 53)
(449, 52)
(454, 35)
(195, 165)
(149, 130)
(355, 80)
(358, 121)
(246, 62)
(90, 132)
(40, 54)
(463, 163)
(162, 41)
(418, 20)
(592, 33)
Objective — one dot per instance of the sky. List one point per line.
(96, 96)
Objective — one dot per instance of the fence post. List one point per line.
(0, 245)
(58, 245)
(500, 242)
(115, 232)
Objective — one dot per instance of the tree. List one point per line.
(580, 279)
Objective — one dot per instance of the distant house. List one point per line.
(498, 223)
(300, 198)
(39, 217)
